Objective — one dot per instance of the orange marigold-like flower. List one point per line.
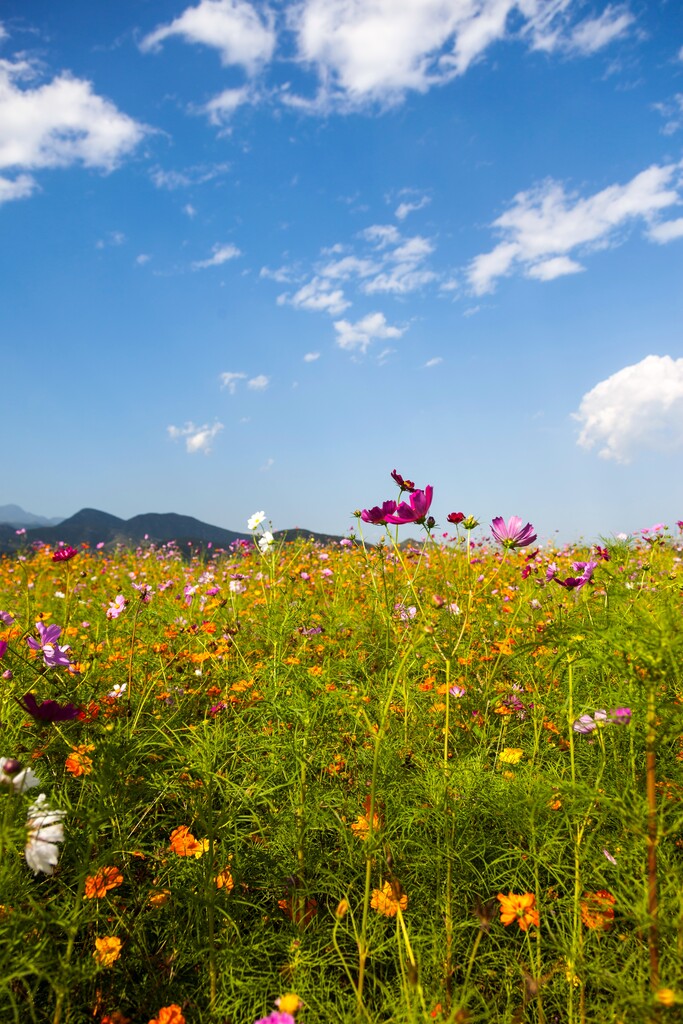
(184, 844)
(159, 898)
(101, 882)
(115, 1017)
(224, 880)
(596, 909)
(107, 950)
(169, 1015)
(388, 899)
(521, 909)
(78, 763)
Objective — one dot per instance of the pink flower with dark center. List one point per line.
(573, 582)
(512, 534)
(414, 510)
(64, 554)
(405, 485)
(377, 516)
(53, 654)
(48, 710)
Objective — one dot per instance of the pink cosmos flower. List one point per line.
(64, 554)
(116, 607)
(512, 534)
(405, 485)
(53, 655)
(377, 516)
(414, 510)
(48, 710)
(573, 582)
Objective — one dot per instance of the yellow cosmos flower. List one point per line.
(387, 900)
(519, 908)
(511, 755)
(107, 950)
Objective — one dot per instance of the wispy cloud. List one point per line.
(405, 208)
(318, 296)
(544, 225)
(311, 357)
(198, 174)
(433, 362)
(197, 439)
(233, 27)
(259, 383)
(672, 111)
(359, 336)
(56, 124)
(593, 34)
(229, 380)
(639, 408)
(222, 253)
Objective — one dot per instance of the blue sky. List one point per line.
(257, 255)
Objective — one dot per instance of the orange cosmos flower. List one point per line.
(518, 908)
(101, 882)
(169, 1015)
(78, 763)
(596, 909)
(107, 950)
(184, 844)
(224, 880)
(388, 899)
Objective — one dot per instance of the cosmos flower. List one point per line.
(586, 570)
(64, 554)
(414, 510)
(455, 517)
(596, 909)
(519, 908)
(44, 831)
(48, 710)
(276, 1017)
(265, 541)
(512, 534)
(116, 607)
(12, 774)
(377, 516)
(99, 884)
(184, 844)
(405, 485)
(53, 654)
(169, 1015)
(107, 950)
(253, 522)
(387, 900)
(511, 755)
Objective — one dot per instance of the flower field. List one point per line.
(370, 782)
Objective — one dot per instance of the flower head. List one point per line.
(512, 534)
(116, 606)
(184, 844)
(99, 884)
(64, 554)
(377, 516)
(387, 900)
(53, 654)
(48, 710)
(276, 1017)
(573, 582)
(44, 831)
(107, 950)
(405, 485)
(519, 908)
(169, 1015)
(288, 1003)
(253, 522)
(414, 510)
(12, 774)
(511, 755)
(596, 909)
(265, 542)
(455, 517)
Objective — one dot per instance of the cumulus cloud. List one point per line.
(233, 27)
(639, 408)
(361, 334)
(667, 231)
(222, 253)
(197, 439)
(311, 357)
(317, 296)
(229, 381)
(375, 52)
(259, 383)
(56, 124)
(545, 224)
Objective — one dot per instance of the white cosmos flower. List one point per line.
(21, 780)
(265, 541)
(45, 830)
(254, 521)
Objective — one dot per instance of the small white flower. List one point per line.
(21, 780)
(254, 521)
(118, 690)
(265, 541)
(45, 830)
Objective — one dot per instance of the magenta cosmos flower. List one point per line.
(512, 534)
(48, 710)
(64, 554)
(53, 654)
(414, 510)
(377, 516)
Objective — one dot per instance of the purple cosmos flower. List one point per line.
(573, 582)
(48, 710)
(53, 654)
(414, 510)
(64, 554)
(620, 716)
(6, 618)
(276, 1017)
(405, 485)
(377, 516)
(512, 534)
(3, 648)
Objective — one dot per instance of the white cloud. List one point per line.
(233, 27)
(58, 124)
(433, 362)
(381, 235)
(114, 238)
(197, 439)
(667, 231)
(259, 383)
(20, 187)
(221, 108)
(405, 208)
(317, 296)
(311, 357)
(222, 253)
(369, 51)
(189, 210)
(143, 258)
(349, 266)
(672, 110)
(639, 408)
(591, 35)
(229, 381)
(283, 275)
(199, 174)
(361, 334)
(403, 271)
(545, 224)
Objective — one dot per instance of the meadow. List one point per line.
(370, 782)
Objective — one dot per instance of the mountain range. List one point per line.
(91, 526)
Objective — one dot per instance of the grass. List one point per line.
(366, 745)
